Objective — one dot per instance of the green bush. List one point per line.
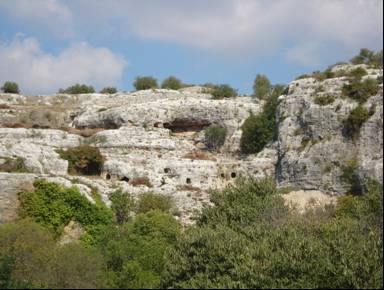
(83, 159)
(54, 206)
(145, 83)
(78, 89)
(223, 91)
(357, 73)
(324, 100)
(215, 136)
(30, 259)
(361, 91)
(172, 83)
(108, 90)
(122, 205)
(10, 88)
(357, 117)
(261, 129)
(261, 87)
(151, 201)
(135, 251)
(279, 248)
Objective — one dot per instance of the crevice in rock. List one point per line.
(187, 125)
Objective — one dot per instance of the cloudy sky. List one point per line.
(50, 44)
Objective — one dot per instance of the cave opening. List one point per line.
(186, 125)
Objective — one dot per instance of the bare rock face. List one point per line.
(152, 141)
(312, 146)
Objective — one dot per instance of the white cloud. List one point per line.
(304, 54)
(246, 26)
(231, 27)
(50, 15)
(36, 71)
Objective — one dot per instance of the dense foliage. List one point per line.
(261, 87)
(54, 206)
(261, 129)
(83, 159)
(250, 239)
(10, 88)
(215, 136)
(78, 89)
(151, 201)
(29, 258)
(145, 83)
(172, 83)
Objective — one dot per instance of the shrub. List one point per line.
(108, 90)
(145, 83)
(135, 251)
(78, 89)
(199, 155)
(351, 176)
(151, 201)
(83, 159)
(261, 87)
(357, 117)
(172, 83)
(223, 91)
(324, 100)
(215, 136)
(361, 91)
(14, 165)
(122, 205)
(357, 73)
(10, 88)
(54, 206)
(261, 129)
(279, 249)
(30, 259)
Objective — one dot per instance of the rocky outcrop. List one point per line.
(312, 146)
(154, 141)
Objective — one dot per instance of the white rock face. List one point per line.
(153, 141)
(312, 145)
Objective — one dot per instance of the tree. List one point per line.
(108, 90)
(223, 91)
(215, 136)
(10, 88)
(261, 87)
(122, 204)
(260, 129)
(145, 83)
(78, 89)
(172, 83)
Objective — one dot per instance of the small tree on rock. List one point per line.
(145, 83)
(261, 87)
(10, 88)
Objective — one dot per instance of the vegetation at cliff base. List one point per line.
(247, 238)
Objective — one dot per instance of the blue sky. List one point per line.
(50, 44)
